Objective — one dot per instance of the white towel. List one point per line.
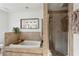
(1, 45)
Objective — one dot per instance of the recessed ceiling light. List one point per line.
(27, 7)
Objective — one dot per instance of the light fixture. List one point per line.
(27, 7)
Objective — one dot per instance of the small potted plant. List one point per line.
(17, 31)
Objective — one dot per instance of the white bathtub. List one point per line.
(26, 44)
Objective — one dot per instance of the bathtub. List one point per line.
(26, 44)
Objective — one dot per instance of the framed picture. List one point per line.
(31, 23)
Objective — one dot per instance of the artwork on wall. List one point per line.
(31, 23)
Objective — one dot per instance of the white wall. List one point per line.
(76, 44)
(10, 20)
(75, 6)
(3, 24)
(14, 19)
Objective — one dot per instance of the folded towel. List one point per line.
(1, 45)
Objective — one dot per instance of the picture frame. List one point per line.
(30, 23)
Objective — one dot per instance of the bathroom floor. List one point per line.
(56, 53)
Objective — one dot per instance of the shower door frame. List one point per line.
(46, 29)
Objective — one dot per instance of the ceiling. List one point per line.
(57, 6)
(20, 7)
(23, 7)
